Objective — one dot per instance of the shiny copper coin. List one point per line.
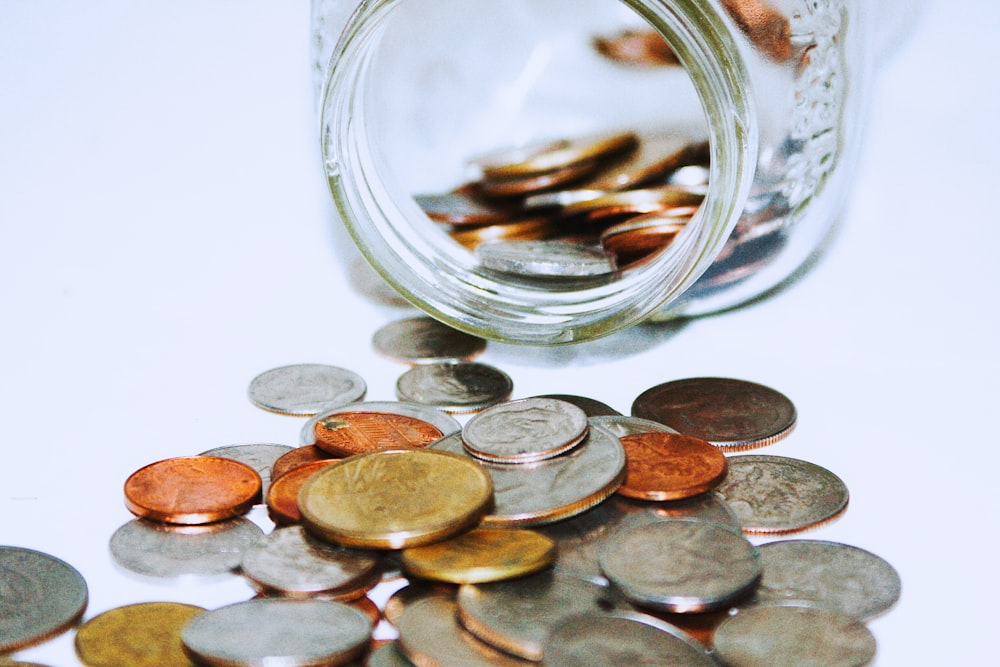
(670, 466)
(192, 490)
(532, 229)
(645, 48)
(283, 496)
(546, 157)
(639, 237)
(768, 29)
(349, 433)
(298, 457)
(729, 413)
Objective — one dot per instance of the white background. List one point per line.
(165, 235)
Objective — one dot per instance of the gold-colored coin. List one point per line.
(482, 555)
(395, 499)
(138, 635)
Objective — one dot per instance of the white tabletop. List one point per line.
(167, 235)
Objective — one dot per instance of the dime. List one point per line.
(517, 615)
(529, 429)
(283, 497)
(778, 494)
(418, 340)
(139, 635)
(551, 259)
(395, 499)
(286, 632)
(481, 555)
(455, 387)
(621, 638)
(437, 418)
(681, 565)
(349, 433)
(260, 457)
(163, 550)
(549, 156)
(40, 597)
(430, 635)
(835, 576)
(670, 466)
(297, 457)
(793, 636)
(291, 563)
(581, 538)
(734, 414)
(532, 494)
(592, 407)
(302, 390)
(622, 425)
(192, 490)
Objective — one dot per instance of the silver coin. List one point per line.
(581, 538)
(778, 494)
(165, 551)
(517, 615)
(681, 565)
(303, 390)
(793, 636)
(532, 494)
(529, 429)
(421, 340)
(430, 634)
(551, 259)
(260, 457)
(40, 597)
(442, 421)
(621, 638)
(455, 387)
(622, 425)
(278, 631)
(832, 575)
(290, 562)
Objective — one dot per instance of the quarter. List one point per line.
(529, 429)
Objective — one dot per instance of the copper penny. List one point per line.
(670, 466)
(283, 496)
(531, 229)
(349, 433)
(768, 29)
(640, 236)
(643, 48)
(192, 490)
(299, 456)
(729, 413)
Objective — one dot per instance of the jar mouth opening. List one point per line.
(448, 280)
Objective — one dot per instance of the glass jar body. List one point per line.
(414, 89)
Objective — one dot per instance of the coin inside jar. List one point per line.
(552, 259)
(395, 499)
(670, 466)
(192, 490)
(349, 433)
(481, 555)
(549, 156)
(529, 429)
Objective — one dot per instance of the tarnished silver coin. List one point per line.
(290, 562)
(832, 575)
(778, 494)
(165, 551)
(532, 494)
(517, 615)
(422, 340)
(793, 636)
(591, 406)
(551, 259)
(260, 457)
(622, 425)
(278, 631)
(302, 390)
(581, 538)
(40, 597)
(681, 565)
(729, 413)
(455, 387)
(433, 416)
(430, 634)
(622, 638)
(526, 430)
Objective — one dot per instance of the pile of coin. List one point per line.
(546, 530)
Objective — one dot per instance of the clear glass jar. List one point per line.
(415, 88)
